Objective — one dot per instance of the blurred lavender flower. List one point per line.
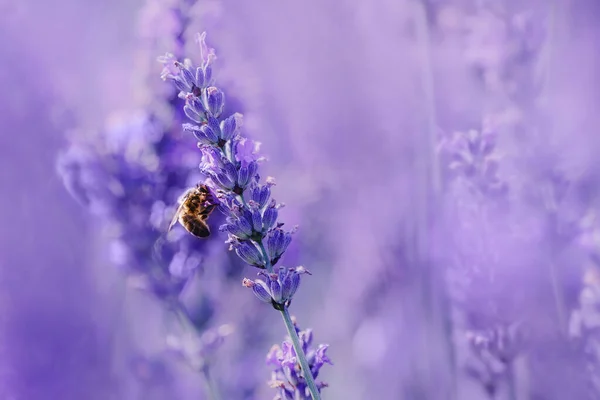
(584, 326)
(584, 323)
(130, 181)
(198, 351)
(287, 374)
(130, 176)
(472, 160)
(471, 167)
(230, 163)
(495, 351)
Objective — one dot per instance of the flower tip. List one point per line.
(301, 270)
(247, 283)
(201, 37)
(225, 330)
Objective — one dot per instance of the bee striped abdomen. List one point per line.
(195, 225)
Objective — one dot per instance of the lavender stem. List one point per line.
(314, 392)
(558, 297)
(209, 382)
(510, 377)
(306, 372)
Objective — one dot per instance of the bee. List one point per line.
(194, 208)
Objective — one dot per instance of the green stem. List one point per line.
(268, 265)
(209, 382)
(510, 380)
(557, 291)
(558, 295)
(428, 166)
(314, 392)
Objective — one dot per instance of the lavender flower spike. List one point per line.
(286, 376)
(230, 163)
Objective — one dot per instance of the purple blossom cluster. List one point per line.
(287, 376)
(130, 181)
(543, 204)
(472, 158)
(277, 288)
(495, 351)
(584, 325)
(230, 163)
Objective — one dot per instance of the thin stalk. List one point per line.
(510, 381)
(314, 392)
(266, 257)
(559, 301)
(211, 385)
(557, 292)
(436, 293)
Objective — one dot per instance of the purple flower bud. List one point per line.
(255, 193)
(259, 288)
(257, 222)
(234, 230)
(223, 180)
(196, 104)
(282, 272)
(276, 291)
(215, 101)
(188, 77)
(213, 123)
(181, 85)
(193, 114)
(265, 193)
(230, 126)
(207, 75)
(210, 135)
(243, 177)
(243, 225)
(320, 359)
(306, 337)
(292, 376)
(290, 285)
(248, 252)
(200, 77)
(230, 171)
(277, 243)
(270, 217)
(252, 168)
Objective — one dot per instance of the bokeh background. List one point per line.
(354, 103)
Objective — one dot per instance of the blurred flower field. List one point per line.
(402, 200)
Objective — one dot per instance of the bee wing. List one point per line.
(176, 215)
